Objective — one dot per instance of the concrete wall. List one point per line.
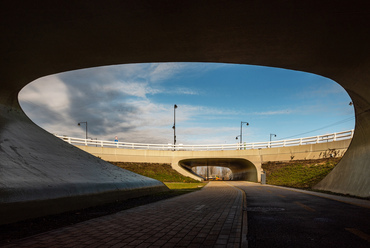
(215, 158)
(41, 175)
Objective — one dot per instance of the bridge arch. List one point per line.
(241, 168)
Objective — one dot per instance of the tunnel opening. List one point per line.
(213, 172)
(241, 169)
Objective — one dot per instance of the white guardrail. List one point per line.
(257, 145)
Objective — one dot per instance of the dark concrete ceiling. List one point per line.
(235, 164)
(55, 36)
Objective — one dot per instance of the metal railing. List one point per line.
(180, 147)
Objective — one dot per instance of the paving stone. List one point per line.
(209, 217)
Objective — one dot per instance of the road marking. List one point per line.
(282, 196)
(244, 231)
(305, 206)
(358, 233)
(199, 207)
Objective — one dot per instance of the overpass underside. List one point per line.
(242, 169)
(46, 37)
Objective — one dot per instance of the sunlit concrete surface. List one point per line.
(329, 38)
(47, 176)
(245, 164)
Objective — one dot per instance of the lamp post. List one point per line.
(207, 172)
(174, 125)
(241, 130)
(272, 134)
(96, 142)
(237, 139)
(85, 124)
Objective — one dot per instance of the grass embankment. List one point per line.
(185, 186)
(177, 183)
(303, 174)
(160, 172)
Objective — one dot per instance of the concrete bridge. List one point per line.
(244, 163)
(40, 174)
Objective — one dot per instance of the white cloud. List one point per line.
(138, 89)
(50, 90)
(324, 90)
(276, 112)
(162, 71)
(113, 100)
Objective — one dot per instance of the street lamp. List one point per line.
(85, 124)
(237, 137)
(207, 172)
(174, 124)
(241, 130)
(96, 142)
(272, 134)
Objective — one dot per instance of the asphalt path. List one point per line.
(279, 217)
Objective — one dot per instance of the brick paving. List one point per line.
(211, 217)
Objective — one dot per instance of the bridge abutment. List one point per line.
(42, 175)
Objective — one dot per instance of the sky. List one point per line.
(135, 102)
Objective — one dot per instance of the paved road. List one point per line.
(278, 217)
(214, 217)
(207, 218)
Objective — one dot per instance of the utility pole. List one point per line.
(207, 171)
(174, 125)
(241, 131)
(86, 126)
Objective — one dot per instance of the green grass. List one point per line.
(160, 172)
(298, 174)
(185, 186)
(177, 183)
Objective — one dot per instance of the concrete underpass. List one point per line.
(42, 38)
(242, 169)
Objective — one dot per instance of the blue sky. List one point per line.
(135, 102)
